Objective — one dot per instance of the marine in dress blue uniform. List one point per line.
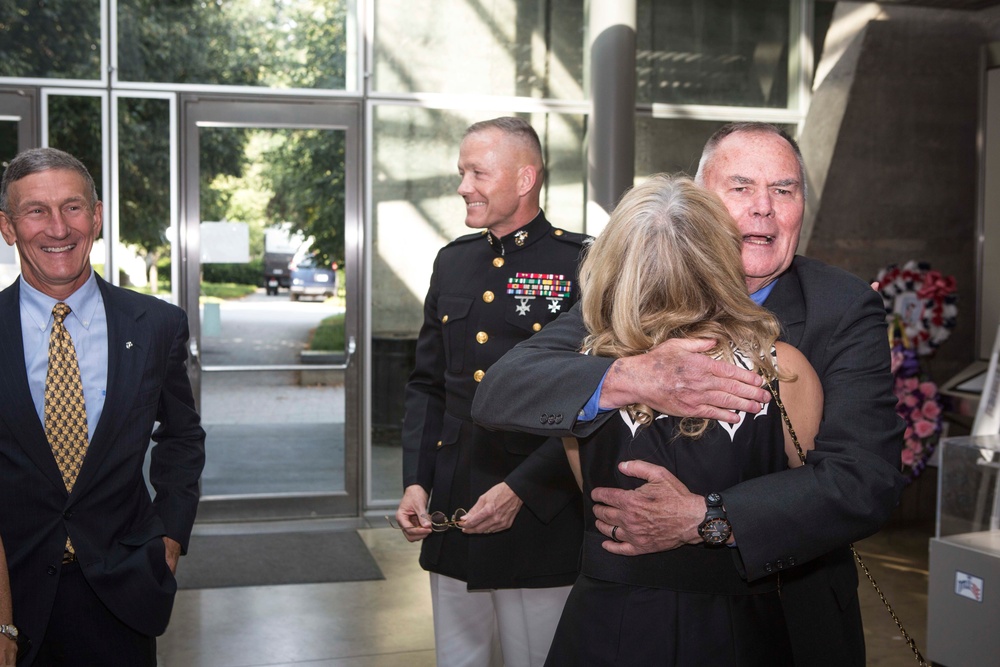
(500, 577)
(487, 294)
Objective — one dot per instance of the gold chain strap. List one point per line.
(864, 568)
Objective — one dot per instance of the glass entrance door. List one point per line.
(270, 254)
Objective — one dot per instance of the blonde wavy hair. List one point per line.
(668, 265)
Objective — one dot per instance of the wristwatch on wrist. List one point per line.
(715, 529)
(9, 631)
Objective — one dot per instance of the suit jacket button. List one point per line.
(536, 327)
(478, 376)
(779, 564)
(559, 419)
(482, 337)
(444, 319)
(68, 514)
(498, 262)
(768, 567)
(51, 570)
(439, 443)
(543, 419)
(791, 561)
(488, 296)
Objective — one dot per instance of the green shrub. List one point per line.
(251, 273)
(227, 290)
(329, 335)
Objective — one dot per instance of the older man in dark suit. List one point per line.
(88, 369)
(797, 522)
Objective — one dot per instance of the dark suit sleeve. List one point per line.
(177, 459)
(544, 481)
(851, 481)
(543, 375)
(424, 397)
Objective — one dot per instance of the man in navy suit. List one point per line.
(91, 568)
(797, 522)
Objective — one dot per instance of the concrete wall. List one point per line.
(890, 143)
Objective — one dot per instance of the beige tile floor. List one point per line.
(388, 623)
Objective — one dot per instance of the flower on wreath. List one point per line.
(923, 300)
(918, 403)
(921, 310)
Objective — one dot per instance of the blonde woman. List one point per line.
(668, 265)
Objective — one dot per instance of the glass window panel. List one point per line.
(417, 210)
(143, 251)
(269, 43)
(274, 431)
(75, 127)
(524, 48)
(673, 145)
(55, 39)
(727, 52)
(8, 141)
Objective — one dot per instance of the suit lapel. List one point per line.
(788, 304)
(128, 344)
(17, 410)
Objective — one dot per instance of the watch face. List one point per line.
(715, 531)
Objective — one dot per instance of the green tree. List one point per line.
(305, 172)
(50, 38)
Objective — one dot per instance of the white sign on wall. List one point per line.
(225, 242)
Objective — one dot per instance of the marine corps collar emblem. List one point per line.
(520, 237)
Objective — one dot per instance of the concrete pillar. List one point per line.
(611, 128)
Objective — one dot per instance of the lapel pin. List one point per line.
(128, 345)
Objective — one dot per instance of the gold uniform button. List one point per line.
(444, 319)
(498, 262)
(478, 376)
(440, 443)
(536, 327)
(488, 296)
(481, 337)
(558, 232)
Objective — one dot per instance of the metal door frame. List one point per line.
(280, 113)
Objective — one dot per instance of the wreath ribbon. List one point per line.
(936, 286)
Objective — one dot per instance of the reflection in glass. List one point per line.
(55, 39)
(289, 44)
(143, 252)
(728, 52)
(280, 431)
(524, 48)
(416, 211)
(673, 145)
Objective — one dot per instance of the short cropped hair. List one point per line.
(35, 160)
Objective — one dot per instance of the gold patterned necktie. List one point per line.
(65, 410)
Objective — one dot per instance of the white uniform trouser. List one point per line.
(512, 627)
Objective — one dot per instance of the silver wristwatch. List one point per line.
(9, 631)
